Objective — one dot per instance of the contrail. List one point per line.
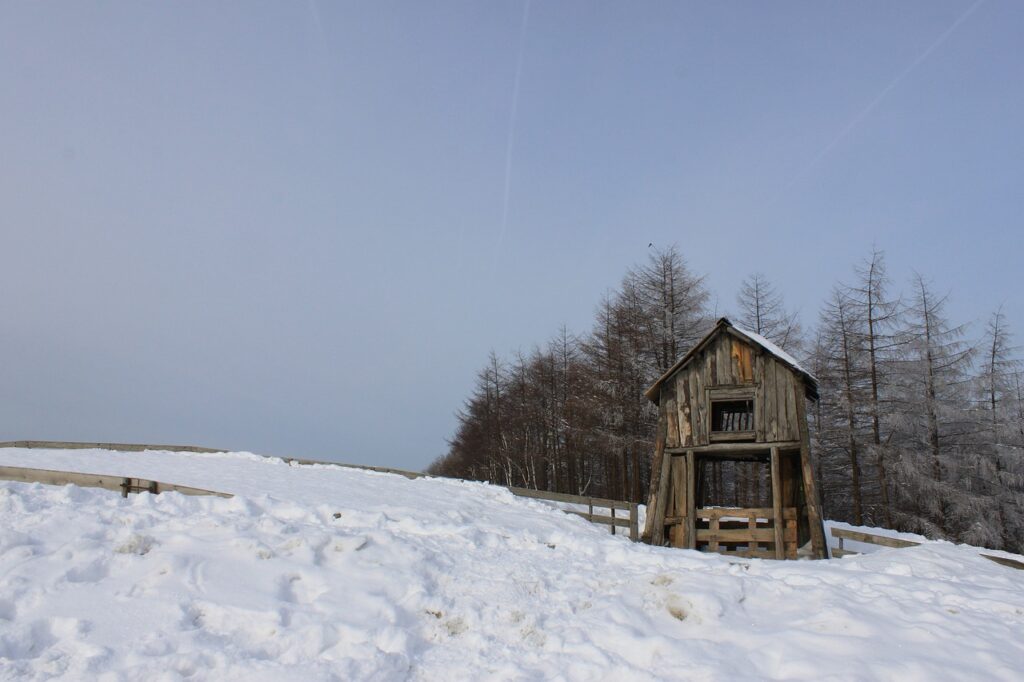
(511, 139)
(866, 111)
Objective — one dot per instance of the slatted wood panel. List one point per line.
(748, 532)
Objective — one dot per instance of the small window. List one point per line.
(730, 416)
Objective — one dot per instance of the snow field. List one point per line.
(325, 573)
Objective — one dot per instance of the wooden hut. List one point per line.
(732, 470)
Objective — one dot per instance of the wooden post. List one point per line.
(679, 494)
(612, 510)
(654, 529)
(752, 526)
(810, 487)
(634, 521)
(691, 501)
(780, 550)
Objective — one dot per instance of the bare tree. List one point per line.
(763, 312)
(934, 420)
(843, 375)
(998, 372)
(880, 339)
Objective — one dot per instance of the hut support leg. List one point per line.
(691, 500)
(654, 528)
(810, 487)
(780, 549)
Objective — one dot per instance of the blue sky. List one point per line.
(298, 228)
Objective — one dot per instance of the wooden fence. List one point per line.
(628, 519)
(884, 541)
(620, 514)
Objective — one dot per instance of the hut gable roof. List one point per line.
(724, 326)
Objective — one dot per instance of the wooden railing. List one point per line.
(747, 532)
(857, 536)
(628, 519)
(896, 543)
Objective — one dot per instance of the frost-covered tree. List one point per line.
(880, 339)
(841, 363)
(673, 304)
(997, 377)
(998, 445)
(933, 418)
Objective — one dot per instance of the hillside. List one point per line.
(324, 573)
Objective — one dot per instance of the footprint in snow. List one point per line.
(26, 641)
(93, 572)
(293, 589)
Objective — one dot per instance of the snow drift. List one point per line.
(325, 573)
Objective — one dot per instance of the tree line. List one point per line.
(920, 426)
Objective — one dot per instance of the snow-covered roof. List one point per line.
(774, 350)
(769, 347)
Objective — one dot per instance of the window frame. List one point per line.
(722, 394)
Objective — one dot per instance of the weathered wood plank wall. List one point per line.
(728, 361)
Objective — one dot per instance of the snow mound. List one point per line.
(325, 573)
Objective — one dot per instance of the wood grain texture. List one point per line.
(812, 501)
(653, 532)
(691, 496)
(777, 495)
(104, 481)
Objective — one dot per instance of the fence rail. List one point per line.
(121, 447)
(121, 484)
(897, 543)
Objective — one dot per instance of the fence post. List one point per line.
(613, 520)
(634, 521)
